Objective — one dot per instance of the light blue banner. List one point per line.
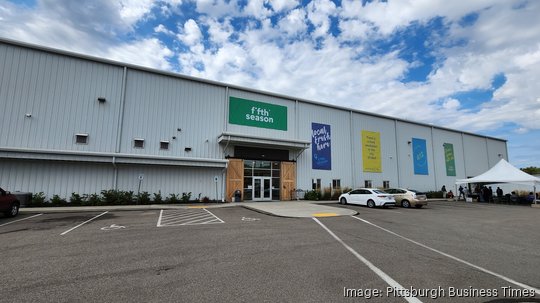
(420, 159)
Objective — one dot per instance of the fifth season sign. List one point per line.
(321, 146)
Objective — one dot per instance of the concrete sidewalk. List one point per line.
(289, 209)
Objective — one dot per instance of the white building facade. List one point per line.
(73, 123)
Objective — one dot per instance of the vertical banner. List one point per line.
(321, 146)
(449, 159)
(420, 156)
(371, 151)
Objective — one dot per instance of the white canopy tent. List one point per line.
(504, 172)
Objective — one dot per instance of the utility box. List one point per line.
(237, 196)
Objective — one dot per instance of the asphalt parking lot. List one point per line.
(447, 252)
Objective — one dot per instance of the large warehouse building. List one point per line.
(73, 123)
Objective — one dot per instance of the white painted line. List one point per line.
(221, 221)
(159, 219)
(83, 223)
(21, 219)
(536, 290)
(375, 269)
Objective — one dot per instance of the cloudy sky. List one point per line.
(468, 65)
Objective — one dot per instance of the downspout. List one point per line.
(433, 156)
(115, 173)
(119, 127)
(223, 172)
(353, 162)
(397, 153)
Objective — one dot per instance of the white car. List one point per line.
(367, 196)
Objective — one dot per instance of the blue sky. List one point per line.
(468, 65)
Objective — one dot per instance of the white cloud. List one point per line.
(191, 33)
(319, 13)
(282, 5)
(137, 53)
(162, 29)
(294, 23)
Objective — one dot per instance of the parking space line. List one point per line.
(187, 217)
(83, 223)
(487, 271)
(374, 268)
(21, 219)
(218, 219)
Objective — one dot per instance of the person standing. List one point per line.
(499, 192)
(443, 189)
(461, 193)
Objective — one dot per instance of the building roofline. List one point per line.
(225, 85)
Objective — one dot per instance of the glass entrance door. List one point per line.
(262, 188)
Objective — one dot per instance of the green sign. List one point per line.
(449, 159)
(257, 114)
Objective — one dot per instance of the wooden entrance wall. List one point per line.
(235, 178)
(288, 180)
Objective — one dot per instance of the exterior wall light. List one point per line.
(101, 99)
(28, 115)
(188, 149)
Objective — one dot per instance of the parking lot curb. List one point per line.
(72, 209)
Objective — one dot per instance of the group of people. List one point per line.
(483, 193)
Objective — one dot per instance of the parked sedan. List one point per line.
(368, 196)
(408, 197)
(9, 204)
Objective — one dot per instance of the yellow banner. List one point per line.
(371, 151)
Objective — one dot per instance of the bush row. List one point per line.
(113, 197)
(326, 195)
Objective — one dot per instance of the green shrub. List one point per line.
(38, 200)
(158, 199)
(434, 194)
(58, 201)
(92, 200)
(75, 199)
(205, 199)
(143, 198)
(185, 197)
(313, 195)
(172, 199)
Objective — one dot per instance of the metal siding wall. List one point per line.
(156, 106)
(341, 151)
(169, 180)
(439, 138)
(61, 95)
(405, 133)
(55, 178)
(386, 128)
(264, 132)
(476, 155)
(496, 148)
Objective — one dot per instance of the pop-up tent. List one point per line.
(503, 172)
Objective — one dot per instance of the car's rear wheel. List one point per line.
(418, 205)
(13, 210)
(370, 203)
(405, 203)
(343, 201)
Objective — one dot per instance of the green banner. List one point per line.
(257, 114)
(449, 159)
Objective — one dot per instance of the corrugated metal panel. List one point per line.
(169, 180)
(263, 132)
(405, 133)
(496, 151)
(55, 178)
(61, 95)
(476, 155)
(157, 106)
(386, 128)
(440, 137)
(341, 151)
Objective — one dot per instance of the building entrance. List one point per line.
(262, 190)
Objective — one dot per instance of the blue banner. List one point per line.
(321, 146)
(420, 159)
